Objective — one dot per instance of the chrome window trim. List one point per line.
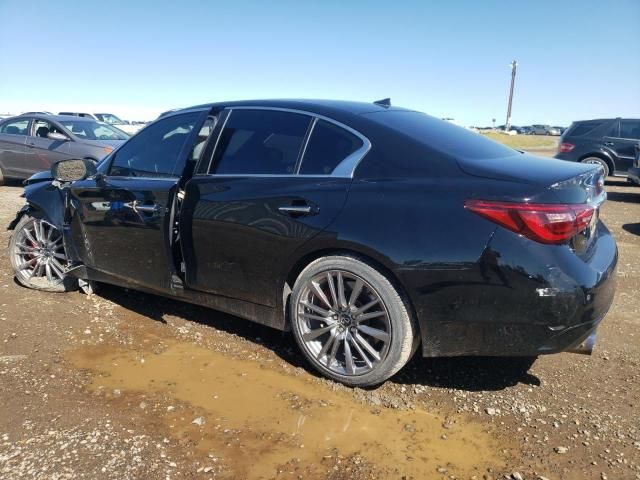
(311, 128)
(345, 169)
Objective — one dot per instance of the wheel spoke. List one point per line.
(347, 356)
(61, 256)
(370, 350)
(361, 352)
(332, 289)
(355, 292)
(320, 294)
(34, 270)
(374, 332)
(309, 316)
(341, 296)
(58, 265)
(320, 311)
(47, 268)
(313, 334)
(369, 316)
(366, 307)
(28, 263)
(30, 237)
(334, 350)
(326, 346)
(57, 269)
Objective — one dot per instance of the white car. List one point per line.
(123, 125)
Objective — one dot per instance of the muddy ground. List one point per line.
(126, 385)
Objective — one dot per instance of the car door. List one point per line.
(624, 144)
(269, 186)
(121, 218)
(13, 137)
(42, 152)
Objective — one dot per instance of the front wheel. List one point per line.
(350, 322)
(37, 255)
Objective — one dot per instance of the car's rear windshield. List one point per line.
(443, 136)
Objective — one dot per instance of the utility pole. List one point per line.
(514, 66)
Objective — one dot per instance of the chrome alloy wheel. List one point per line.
(344, 323)
(39, 254)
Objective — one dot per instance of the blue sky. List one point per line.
(577, 59)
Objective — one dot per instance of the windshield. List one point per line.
(87, 130)
(111, 118)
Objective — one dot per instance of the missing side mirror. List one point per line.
(73, 170)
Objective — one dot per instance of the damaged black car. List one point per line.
(369, 231)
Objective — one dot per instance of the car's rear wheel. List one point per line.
(350, 322)
(597, 161)
(37, 255)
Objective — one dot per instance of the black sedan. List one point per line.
(369, 231)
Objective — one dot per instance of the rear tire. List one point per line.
(597, 161)
(37, 255)
(350, 322)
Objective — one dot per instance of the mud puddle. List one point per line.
(262, 423)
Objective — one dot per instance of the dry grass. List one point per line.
(524, 142)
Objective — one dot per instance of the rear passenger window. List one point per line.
(630, 129)
(17, 127)
(328, 146)
(260, 142)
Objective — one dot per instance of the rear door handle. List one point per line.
(31, 145)
(298, 210)
(609, 144)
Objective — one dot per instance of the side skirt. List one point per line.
(271, 317)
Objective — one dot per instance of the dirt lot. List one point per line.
(127, 385)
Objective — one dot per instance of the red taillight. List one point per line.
(545, 223)
(566, 147)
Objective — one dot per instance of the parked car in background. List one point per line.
(78, 114)
(32, 143)
(634, 172)
(129, 127)
(37, 113)
(544, 130)
(370, 231)
(608, 142)
(560, 129)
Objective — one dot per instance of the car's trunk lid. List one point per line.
(524, 168)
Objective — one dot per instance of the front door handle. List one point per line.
(609, 144)
(138, 207)
(298, 210)
(31, 145)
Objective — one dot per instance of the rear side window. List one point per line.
(155, 151)
(630, 129)
(260, 142)
(583, 128)
(442, 136)
(328, 145)
(17, 127)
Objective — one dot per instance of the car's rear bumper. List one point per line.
(525, 299)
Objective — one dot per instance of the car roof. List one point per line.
(332, 108)
(59, 118)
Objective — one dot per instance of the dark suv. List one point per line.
(608, 142)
